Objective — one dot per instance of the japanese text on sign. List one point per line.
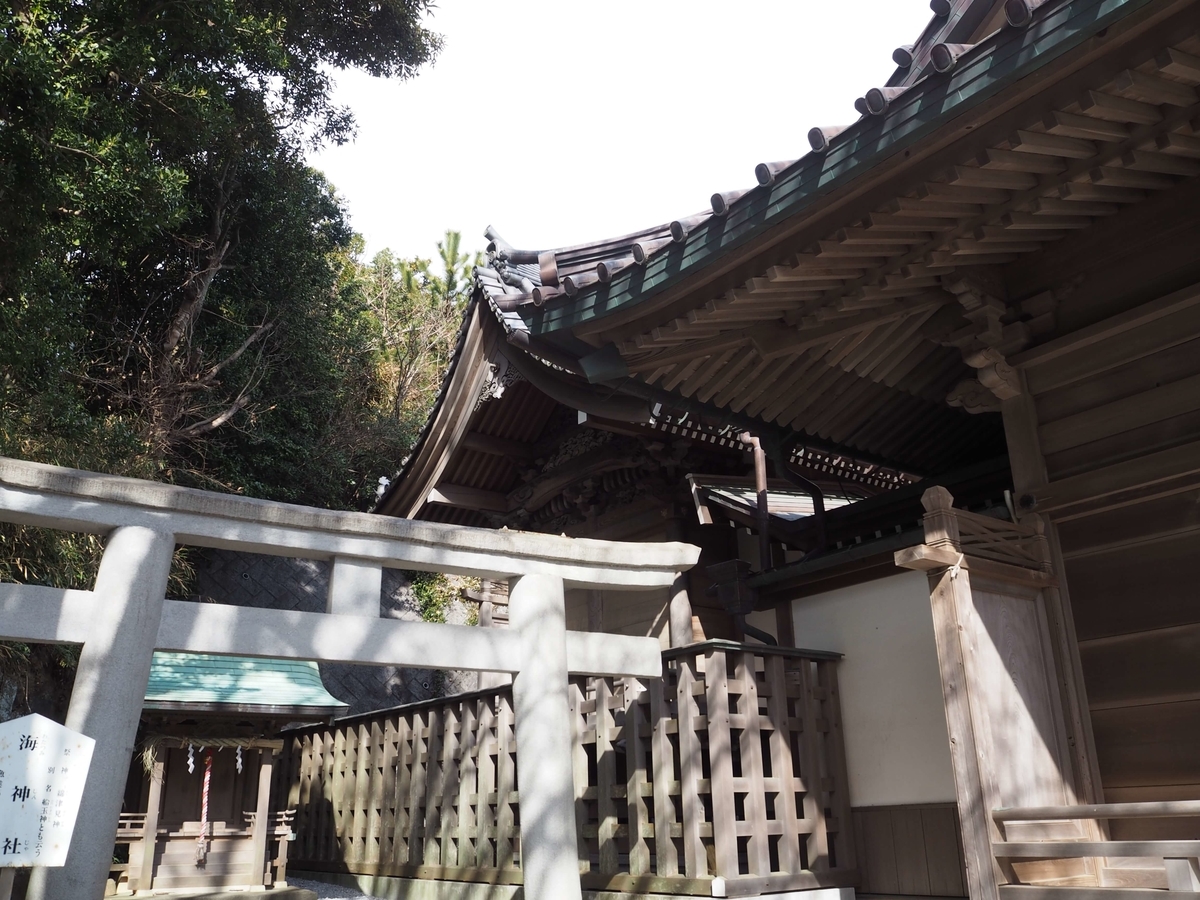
(43, 768)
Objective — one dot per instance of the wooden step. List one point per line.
(1038, 892)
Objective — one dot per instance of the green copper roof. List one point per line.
(237, 681)
(991, 66)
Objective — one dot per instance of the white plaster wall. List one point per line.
(897, 748)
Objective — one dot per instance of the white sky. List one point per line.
(564, 121)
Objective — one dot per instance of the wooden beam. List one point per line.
(1155, 809)
(935, 209)
(495, 446)
(1014, 161)
(913, 221)
(972, 176)
(1126, 414)
(1038, 892)
(1084, 127)
(1016, 221)
(1053, 144)
(926, 558)
(1145, 472)
(1154, 90)
(773, 341)
(1053, 206)
(1179, 144)
(1084, 849)
(464, 497)
(968, 247)
(954, 193)
(681, 354)
(1162, 163)
(1098, 105)
(1177, 63)
(1131, 178)
(1086, 191)
(1111, 327)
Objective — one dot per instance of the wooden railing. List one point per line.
(1046, 833)
(984, 537)
(729, 768)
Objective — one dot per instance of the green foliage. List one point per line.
(181, 297)
(415, 314)
(434, 594)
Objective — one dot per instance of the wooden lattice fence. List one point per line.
(729, 766)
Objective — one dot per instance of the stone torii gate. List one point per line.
(125, 618)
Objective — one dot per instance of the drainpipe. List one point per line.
(760, 487)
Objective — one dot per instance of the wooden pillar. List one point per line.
(971, 793)
(1008, 717)
(1024, 449)
(488, 619)
(1029, 474)
(260, 872)
(145, 879)
(785, 627)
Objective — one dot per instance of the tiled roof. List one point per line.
(900, 114)
(851, 299)
(206, 680)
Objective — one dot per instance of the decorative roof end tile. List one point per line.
(722, 202)
(820, 137)
(681, 228)
(766, 173)
(944, 57)
(879, 99)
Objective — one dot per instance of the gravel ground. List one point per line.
(329, 891)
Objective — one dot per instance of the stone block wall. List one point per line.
(276, 582)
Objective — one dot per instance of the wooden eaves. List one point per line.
(852, 298)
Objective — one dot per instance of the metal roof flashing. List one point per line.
(243, 684)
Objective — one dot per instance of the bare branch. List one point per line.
(215, 422)
(260, 332)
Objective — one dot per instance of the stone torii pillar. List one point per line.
(106, 700)
(125, 618)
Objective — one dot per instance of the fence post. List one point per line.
(106, 701)
(549, 856)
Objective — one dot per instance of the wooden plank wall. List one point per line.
(1117, 407)
(1135, 578)
(732, 764)
(910, 850)
(1131, 388)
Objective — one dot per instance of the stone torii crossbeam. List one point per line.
(125, 618)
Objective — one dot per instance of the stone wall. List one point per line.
(276, 582)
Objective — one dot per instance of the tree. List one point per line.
(168, 264)
(417, 313)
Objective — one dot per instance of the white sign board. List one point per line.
(43, 767)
